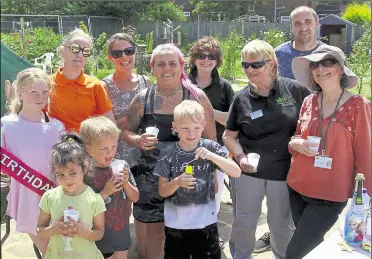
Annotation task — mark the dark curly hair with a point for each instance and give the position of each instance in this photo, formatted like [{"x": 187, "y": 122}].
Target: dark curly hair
[
  {"x": 209, "y": 44},
  {"x": 70, "y": 148}
]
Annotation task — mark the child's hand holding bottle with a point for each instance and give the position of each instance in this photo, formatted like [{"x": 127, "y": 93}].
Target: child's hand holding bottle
[{"x": 186, "y": 180}]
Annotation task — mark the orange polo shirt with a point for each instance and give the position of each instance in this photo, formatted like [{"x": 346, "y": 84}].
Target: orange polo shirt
[
  {"x": 348, "y": 144},
  {"x": 72, "y": 101}
]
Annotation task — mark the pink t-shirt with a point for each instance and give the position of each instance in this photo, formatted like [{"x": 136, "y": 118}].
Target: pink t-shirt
[{"x": 32, "y": 143}]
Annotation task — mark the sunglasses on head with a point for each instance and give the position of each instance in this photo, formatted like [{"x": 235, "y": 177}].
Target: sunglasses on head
[
  {"x": 202, "y": 56},
  {"x": 119, "y": 52},
  {"x": 329, "y": 62},
  {"x": 254, "y": 65},
  {"x": 75, "y": 48}
]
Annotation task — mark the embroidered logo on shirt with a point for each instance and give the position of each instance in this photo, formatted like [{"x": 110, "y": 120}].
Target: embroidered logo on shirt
[{"x": 286, "y": 101}]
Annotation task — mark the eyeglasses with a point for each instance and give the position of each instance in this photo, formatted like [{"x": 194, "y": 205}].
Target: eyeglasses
[
  {"x": 202, "y": 56},
  {"x": 119, "y": 53},
  {"x": 75, "y": 48},
  {"x": 254, "y": 65},
  {"x": 325, "y": 63}
]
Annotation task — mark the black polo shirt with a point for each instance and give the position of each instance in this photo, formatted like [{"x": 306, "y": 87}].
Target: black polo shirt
[
  {"x": 269, "y": 134},
  {"x": 220, "y": 94}
]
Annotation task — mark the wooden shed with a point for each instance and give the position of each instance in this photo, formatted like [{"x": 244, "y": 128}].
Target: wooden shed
[{"x": 339, "y": 32}]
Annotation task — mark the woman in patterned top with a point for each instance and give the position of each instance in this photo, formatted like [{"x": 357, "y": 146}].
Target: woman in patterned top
[
  {"x": 123, "y": 85},
  {"x": 320, "y": 182}
]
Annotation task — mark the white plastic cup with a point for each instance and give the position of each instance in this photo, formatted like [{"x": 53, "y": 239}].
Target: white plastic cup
[
  {"x": 314, "y": 142},
  {"x": 153, "y": 130},
  {"x": 74, "y": 214},
  {"x": 118, "y": 166},
  {"x": 253, "y": 159}
]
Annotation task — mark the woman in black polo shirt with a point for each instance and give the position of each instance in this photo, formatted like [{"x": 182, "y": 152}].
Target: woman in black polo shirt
[
  {"x": 205, "y": 57},
  {"x": 262, "y": 119}
]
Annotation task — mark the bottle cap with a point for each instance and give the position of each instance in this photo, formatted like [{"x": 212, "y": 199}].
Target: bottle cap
[{"x": 188, "y": 169}]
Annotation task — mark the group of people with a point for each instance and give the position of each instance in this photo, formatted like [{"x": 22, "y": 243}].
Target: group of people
[{"x": 70, "y": 127}]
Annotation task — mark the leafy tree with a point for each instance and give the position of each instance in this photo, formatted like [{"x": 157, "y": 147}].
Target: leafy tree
[
  {"x": 230, "y": 9},
  {"x": 161, "y": 11},
  {"x": 358, "y": 13},
  {"x": 359, "y": 60}
]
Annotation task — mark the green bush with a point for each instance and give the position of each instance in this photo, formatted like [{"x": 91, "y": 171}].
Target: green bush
[
  {"x": 274, "y": 37},
  {"x": 358, "y": 14},
  {"x": 102, "y": 73},
  {"x": 38, "y": 42},
  {"x": 231, "y": 51},
  {"x": 359, "y": 60}
]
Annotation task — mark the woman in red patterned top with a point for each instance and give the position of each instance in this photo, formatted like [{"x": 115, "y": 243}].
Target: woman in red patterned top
[{"x": 320, "y": 182}]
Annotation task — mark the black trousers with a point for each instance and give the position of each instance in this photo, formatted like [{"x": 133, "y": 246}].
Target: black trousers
[
  {"x": 312, "y": 218},
  {"x": 199, "y": 243}
]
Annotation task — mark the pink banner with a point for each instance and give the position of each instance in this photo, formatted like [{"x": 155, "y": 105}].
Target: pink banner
[{"x": 14, "y": 167}]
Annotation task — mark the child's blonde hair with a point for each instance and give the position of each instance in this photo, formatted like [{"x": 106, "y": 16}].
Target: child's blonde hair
[
  {"x": 94, "y": 128},
  {"x": 190, "y": 110},
  {"x": 24, "y": 80}
]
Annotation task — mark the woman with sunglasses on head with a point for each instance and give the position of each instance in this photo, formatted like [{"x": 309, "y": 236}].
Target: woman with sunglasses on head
[
  {"x": 205, "y": 58},
  {"x": 76, "y": 96},
  {"x": 123, "y": 85},
  {"x": 153, "y": 107},
  {"x": 262, "y": 118},
  {"x": 319, "y": 191}
]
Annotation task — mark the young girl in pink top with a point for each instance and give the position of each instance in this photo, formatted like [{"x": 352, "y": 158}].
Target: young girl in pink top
[{"x": 29, "y": 134}]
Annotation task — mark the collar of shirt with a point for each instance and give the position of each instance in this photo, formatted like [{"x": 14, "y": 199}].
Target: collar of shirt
[
  {"x": 255, "y": 95},
  {"x": 62, "y": 80},
  {"x": 194, "y": 72}
]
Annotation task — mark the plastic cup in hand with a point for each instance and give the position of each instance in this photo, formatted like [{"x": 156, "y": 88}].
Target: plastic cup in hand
[
  {"x": 253, "y": 159},
  {"x": 153, "y": 130},
  {"x": 117, "y": 167},
  {"x": 314, "y": 143},
  {"x": 74, "y": 214}
]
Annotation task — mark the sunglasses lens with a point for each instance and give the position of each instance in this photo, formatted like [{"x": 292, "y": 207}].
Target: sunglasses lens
[
  {"x": 116, "y": 53},
  {"x": 129, "y": 51},
  {"x": 211, "y": 57},
  {"x": 314, "y": 65},
  {"x": 74, "y": 48},
  {"x": 202, "y": 56},
  {"x": 245, "y": 65},
  {"x": 87, "y": 52},
  {"x": 328, "y": 62},
  {"x": 257, "y": 65}
]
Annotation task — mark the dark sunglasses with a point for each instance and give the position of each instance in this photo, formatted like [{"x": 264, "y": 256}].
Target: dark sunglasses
[
  {"x": 119, "y": 53},
  {"x": 325, "y": 63},
  {"x": 75, "y": 48},
  {"x": 254, "y": 65},
  {"x": 202, "y": 56}
]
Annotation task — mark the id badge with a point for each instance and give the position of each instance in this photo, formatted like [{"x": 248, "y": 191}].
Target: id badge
[
  {"x": 323, "y": 162},
  {"x": 256, "y": 114}
]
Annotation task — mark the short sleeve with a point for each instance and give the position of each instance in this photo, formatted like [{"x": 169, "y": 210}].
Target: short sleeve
[
  {"x": 99, "y": 205},
  {"x": 44, "y": 202},
  {"x": 219, "y": 150},
  {"x": 2, "y": 137},
  {"x": 131, "y": 179},
  {"x": 229, "y": 96},
  {"x": 103, "y": 102},
  {"x": 162, "y": 167},
  {"x": 232, "y": 116}
]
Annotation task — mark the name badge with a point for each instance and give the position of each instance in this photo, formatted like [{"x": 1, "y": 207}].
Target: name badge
[
  {"x": 256, "y": 114},
  {"x": 323, "y": 162}
]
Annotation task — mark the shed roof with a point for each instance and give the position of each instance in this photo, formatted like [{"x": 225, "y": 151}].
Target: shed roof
[{"x": 333, "y": 19}]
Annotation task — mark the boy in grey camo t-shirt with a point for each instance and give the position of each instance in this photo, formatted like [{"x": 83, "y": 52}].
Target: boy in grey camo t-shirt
[{"x": 190, "y": 208}]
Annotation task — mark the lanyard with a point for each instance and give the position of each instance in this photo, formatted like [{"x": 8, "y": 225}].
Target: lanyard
[{"x": 323, "y": 139}]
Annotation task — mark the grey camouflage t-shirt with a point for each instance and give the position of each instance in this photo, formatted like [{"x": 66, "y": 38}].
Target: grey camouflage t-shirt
[{"x": 172, "y": 162}]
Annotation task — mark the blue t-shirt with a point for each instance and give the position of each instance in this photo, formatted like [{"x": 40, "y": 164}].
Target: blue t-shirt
[{"x": 285, "y": 54}]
